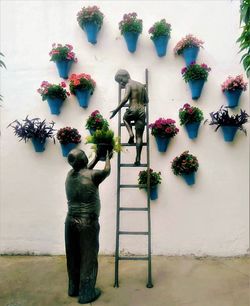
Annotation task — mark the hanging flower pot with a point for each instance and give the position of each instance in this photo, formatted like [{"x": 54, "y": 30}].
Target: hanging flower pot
[
  {"x": 83, "y": 96},
  {"x": 66, "y": 148},
  {"x": 154, "y": 192},
  {"x": 82, "y": 85},
  {"x": 39, "y": 145},
  {"x": 64, "y": 58},
  {"x": 190, "y": 54},
  {"x": 131, "y": 39},
  {"x": 160, "y": 34},
  {"x": 55, "y": 105},
  {"x": 162, "y": 143},
  {"x": 229, "y": 132},
  {"x": 90, "y": 20},
  {"x": 155, "y": 180},
  {"x": 95, "y": 122},
  {"x": 102, "y": 149},
  {"x": 131, "y": 28},
  {"x": 188, "y": 47},
  {"x": 229, "y": 123},
  {"x": 185, "y": 165},
  {"x": 195, "y": 75},
  {"x": 69, "y": 138},
  {"x": 163, "y": 130},
  {"x": 192, "y": 129},
  {"x": 232, "y": 88},
  {"x": 189, "y": 178}
]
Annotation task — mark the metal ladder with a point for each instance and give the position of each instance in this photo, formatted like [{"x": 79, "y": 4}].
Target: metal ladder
[{"x": 121, "y": 209}]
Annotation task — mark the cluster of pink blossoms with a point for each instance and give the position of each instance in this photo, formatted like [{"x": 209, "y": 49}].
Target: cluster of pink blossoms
[
  {"x": 187, "y": 41},
  {"x": 161, "y": 22},
  {"x": 75, "y": 79},
  {"x": 164, "y": 127},
  {"x": 44, "y": 87},
  {"x": 64, "y": 52},
  {"x": 188, "y": 108},
  {"x": 88, "y": 13},
  {"x": 232, "y": 83},
  {"x": 129, "y": 18},
  {"x": 204, "y": 66}
]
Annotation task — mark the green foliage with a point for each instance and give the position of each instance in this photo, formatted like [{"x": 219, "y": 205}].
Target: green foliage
[
  {"x": 189, "y": 114},
  {"x": 68, "y": 135},
  {"x": 90, "y": 14},
  {"x": 104, "y": 137},
  {"x": 160, "y": 28},
  {"x": 185, "y": 164},
  {"x": 155, "y": 178},
  {"x": 96, "y": 121},
  {"x": 195, "y": 72},
  {"x": 244, "y": 39},
  {"x": 130, "y": 23}
]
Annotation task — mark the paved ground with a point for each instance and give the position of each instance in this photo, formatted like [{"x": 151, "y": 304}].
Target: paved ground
[{"x": 178, "y": 281}]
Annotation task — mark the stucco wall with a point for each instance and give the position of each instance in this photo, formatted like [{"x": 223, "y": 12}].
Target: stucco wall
[{"x": 212, "y": 217}]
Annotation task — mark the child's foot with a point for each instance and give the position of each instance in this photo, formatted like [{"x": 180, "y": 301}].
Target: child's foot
[{"x": 131, "y": 139}]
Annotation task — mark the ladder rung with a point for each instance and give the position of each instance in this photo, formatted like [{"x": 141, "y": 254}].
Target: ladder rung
[
  {"x": 132, "y": 123},
  {"x": 134, "y": 208},
  {"x": 133, "y": 186},
  {"x": 132, "y": 165},
  {"x": 132, "y": 233},
  {"x": 132, "y": 258},
  {"x": 125, "y": 144}
]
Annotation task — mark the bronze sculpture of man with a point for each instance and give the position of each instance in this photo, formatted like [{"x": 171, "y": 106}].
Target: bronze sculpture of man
[
  {"x": 137, "y": 96},
  {"x": 82, "y": 226}
]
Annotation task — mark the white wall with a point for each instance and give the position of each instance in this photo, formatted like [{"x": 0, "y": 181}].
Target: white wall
[{"x": 212, "y": 217}]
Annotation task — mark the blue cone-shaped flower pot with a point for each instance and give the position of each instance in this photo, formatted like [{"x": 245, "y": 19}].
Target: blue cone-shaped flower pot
[
  {"x": 66, "y": 148},
  {"x": 38, "y": 145},
  {"x": 196, "y": 88},
  {"x": 55, "y": 105},
  {"x": 92, "y": 29},
  {"x": 229, "y": 132},
  {"x": 192, "y": 129},
  {"x": 131, "y": 39},
  {"x": 161, "y": 43},
  {"x": 190, "y": 54},
  {"x": 233, "y": 97},
  {"x": 154, "y": 192},
  {"x": 189, "y": 178},
  {"x": 83, "y": 96},
  {"x": 162, "y": 143},
  {"x": 63, "y": 68}
]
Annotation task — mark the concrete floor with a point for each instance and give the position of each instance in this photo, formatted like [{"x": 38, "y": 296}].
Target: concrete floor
[{"x": 178, "y": 281}]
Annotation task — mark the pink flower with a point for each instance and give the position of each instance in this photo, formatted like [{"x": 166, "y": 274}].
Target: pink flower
[
  {"x": 63, "y": 84},
  {"x": 186, "y": 105},
  {"x": 183, "y": 70}
]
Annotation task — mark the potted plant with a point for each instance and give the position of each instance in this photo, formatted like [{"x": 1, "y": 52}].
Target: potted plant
[
  {"x": 82, "y": 85},
  {"x": 232, "y": 88},
  {"x": 160, "y": 34},
  {"x": 69, "y": 138},
  {"x": 229, "y": 123},
  {"x": 185, "y": 165},
  {"x": 189, "y": 47},
  {"x": 90, "y": 20},
  {"x": 96, "y": 122},
  {"x": 191, "y": 117},
  {"x": 131, "y": 27},
  {"x": 195, "y": 75},
  {"x": 35, "y": 130},
  {"x": 64, "y": 57},
  {"x": 104, "y": 141},
  {"x": 155, "y": 180},
  {"x": 54, "y": 94},
  {"x": 163, "y": 130}
]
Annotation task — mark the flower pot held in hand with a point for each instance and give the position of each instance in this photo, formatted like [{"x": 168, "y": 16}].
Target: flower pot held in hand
[
  {"x": 102, "y": 149},
  {"x": 162, "y": 143},
  {"x": 66, "y": 148},
  {"x": 55, "y": 105},
  {"x": 196, "y": 88},
  {"x": 83, "y": 96},
  {"x": 229, "y": 132},
  {"x": 92, "y": 29},
  {"x": 189, "y": 178},
  {"x": 192, "y": 129},
  {"x": 233, "y": 97},
  {"x": 190, "y": 54},
  {"x": 63, "y": 68},
  {"x": 131, "y": 39},
  {"x": 38, "y": 145},
  {"x": 161, "y": 43}
]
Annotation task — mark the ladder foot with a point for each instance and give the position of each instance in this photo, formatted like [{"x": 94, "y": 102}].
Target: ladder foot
[
  {"x": 150, "y": 285},
  {"x": 116, "y": 285}
]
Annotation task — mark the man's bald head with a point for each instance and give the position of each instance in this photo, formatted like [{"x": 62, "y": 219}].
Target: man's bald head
[{"x": 77, "y": 159}]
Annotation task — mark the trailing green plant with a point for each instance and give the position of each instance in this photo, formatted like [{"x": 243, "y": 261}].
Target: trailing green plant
[
  {"x": 68, "y": 135},
  {"x": 33, "y": 128},
  {"x": 195, "y": 72},
  {"x": 244, "y": 39},
  {"x": 223, "y": 118},
  {"x": 48, "y": 90},
  {"x": 90, "y": 14},
  {"x": 160, "y": 28},
  {"x": 96, "y": 121},
  {"x": 189, "y": 114},
  {"x": 155, "y": 178},
  {"x": 130, "y": 23},
  {"x": 185, "y": 164}
]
